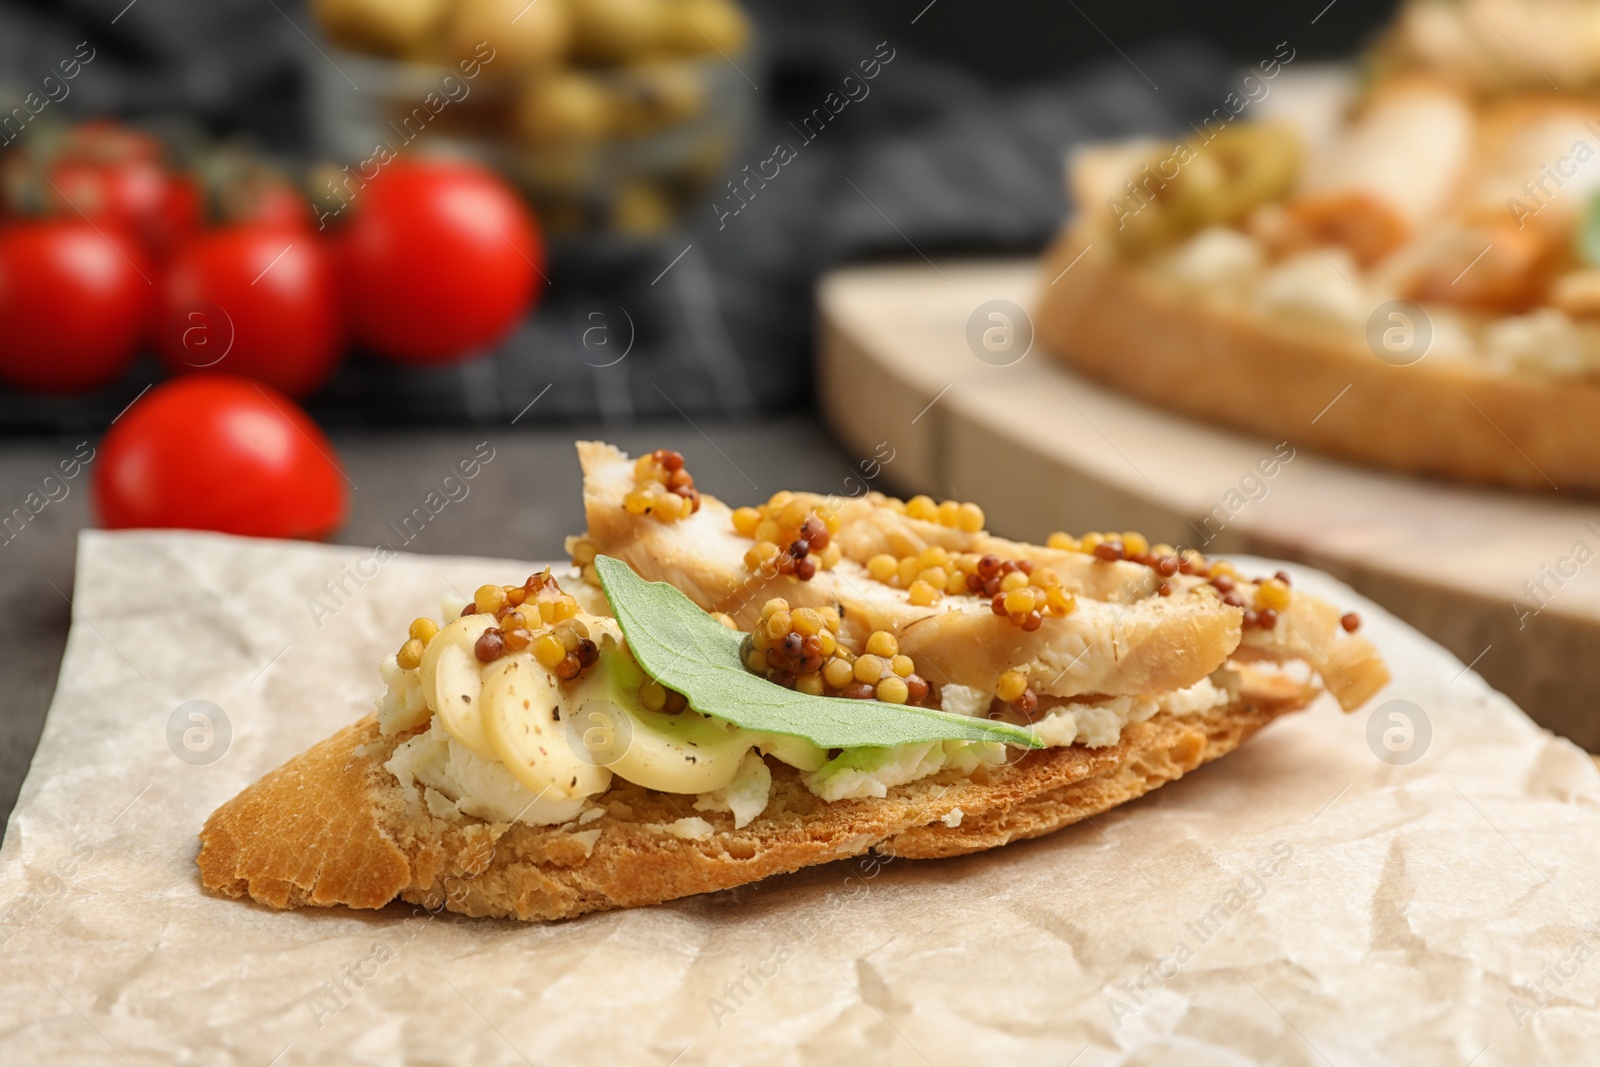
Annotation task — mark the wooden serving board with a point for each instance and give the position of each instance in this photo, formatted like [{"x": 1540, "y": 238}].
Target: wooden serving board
[{"x": 1508, "y": 581}]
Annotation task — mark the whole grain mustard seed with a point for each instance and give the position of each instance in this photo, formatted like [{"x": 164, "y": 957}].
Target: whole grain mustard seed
[{"x": 793, "y": 654}]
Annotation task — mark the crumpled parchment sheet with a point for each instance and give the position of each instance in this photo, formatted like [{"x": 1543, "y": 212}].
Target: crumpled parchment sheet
[{"x": 1302, "y": 901}]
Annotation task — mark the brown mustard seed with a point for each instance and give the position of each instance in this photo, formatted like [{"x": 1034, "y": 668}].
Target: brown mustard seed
[
  {"x": 569, "y": 667},
  {"x": 1109, "y": 551},
  {"x": 916, "y": 688},
  {"x": 490, "y": 646},
  {"x": 1351, "y": 622},
  {"x": 859, "y": 691}
]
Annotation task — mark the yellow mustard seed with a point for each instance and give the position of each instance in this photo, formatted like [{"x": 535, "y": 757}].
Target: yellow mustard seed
[
  {"x": 1019, "y": 601},
  {"x": 489, "y": 598},
  {"x": 934, "y": 576},
  {"x": 809, "y": 683},
  {"x": 756, "y": 661},
  {"x": 423, "y": 630},
  {"x": 745, "y": 521},
  {"x": 806, "y": 621},
  {"x": 838, "y": 673},
  {"x": 652, "y": 695},
  {"x": 830, "y": 556},
  {"x": 777, "y": 624},
  {"x": 956, "y": 584},
  {"x": 883, "y": 567},
  {"x": 773, "y": 606},
  {"x": 1062, "y": 542},
  {"x": 549, "y": 651},
  {"x": 1011, "y": 686},
  {"x": 1135, "y": 543},
  {"x": 869, "y": 669},
  {"x": 1273, "y": 594},
  {"x": 949, "y": 512},
  {"x": 902, "y": 666},
  {"x": 410, "y": 655},
  {"x": 922, "y": 507},
  {"x": 893, "y": 690},
  {"x": 828, "y": 642},
  {"x": 923, "y": 595},
  {"x": 882, "y": 643},
  {"x": 970, "y": 518},
  {"x": 933, "y": 556},
  {"x": 794, "y": 513}
]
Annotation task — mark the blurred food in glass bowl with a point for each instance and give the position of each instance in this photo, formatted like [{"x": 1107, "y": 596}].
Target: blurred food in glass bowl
[{"x": 608, "y": 114}]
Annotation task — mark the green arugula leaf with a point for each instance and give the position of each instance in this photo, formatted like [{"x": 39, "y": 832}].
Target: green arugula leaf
[{"x": 684, "y": 648}]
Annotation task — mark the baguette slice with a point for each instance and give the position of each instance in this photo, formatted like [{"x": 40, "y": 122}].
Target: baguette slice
[
  {"x": 1115, "y": 322},
  {"x": 332, "y": 826}
]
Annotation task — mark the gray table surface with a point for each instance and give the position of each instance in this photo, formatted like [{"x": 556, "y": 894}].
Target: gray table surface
[{"x": 522, "y": 506}]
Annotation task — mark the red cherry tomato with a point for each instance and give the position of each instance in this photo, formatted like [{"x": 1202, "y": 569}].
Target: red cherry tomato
[
  {"x": 254, "y": 300},
  {"x": 440, "y": 262},
  {"x": 209, "y": 452},
  {"x": 74, "y": 302},
  {"x": 133, "y": 193},
  {"x": 106, "y": 139}
]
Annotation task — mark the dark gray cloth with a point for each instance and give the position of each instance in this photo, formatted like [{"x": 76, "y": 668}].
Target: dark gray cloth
[{"x": 928, "y": 162}]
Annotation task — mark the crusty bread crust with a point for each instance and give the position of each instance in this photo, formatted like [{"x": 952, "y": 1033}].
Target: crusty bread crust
[
  {"x": 332, "y": 826},
  {"x": 1113, "y": 321}
]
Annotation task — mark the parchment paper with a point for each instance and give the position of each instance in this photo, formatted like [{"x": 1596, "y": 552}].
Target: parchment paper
[{"x": 1300, "y": 902}]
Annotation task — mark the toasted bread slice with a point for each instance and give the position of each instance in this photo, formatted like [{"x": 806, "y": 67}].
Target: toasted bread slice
[
  {"x": 333, "y": 827},
  {"x": 1115, "y": 321}
]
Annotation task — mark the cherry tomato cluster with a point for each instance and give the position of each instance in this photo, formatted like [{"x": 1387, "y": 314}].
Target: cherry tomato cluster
[
  {"x": 105, "y": 249},
  {"x": 437, "y": 262}
]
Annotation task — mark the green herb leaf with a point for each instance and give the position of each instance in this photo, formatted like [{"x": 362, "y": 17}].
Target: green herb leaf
[
  {"x": 1588, "y": 237},
  {"x": 684, "y": 648}
]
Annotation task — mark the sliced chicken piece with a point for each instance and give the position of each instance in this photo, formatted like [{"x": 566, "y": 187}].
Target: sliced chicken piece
[
  {"x": 1538, "y": 163},
  {"x": 1309, "y": 629},
  {"x": 1408, "y": 149},
  {"x": 1107, "y": 646}
]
